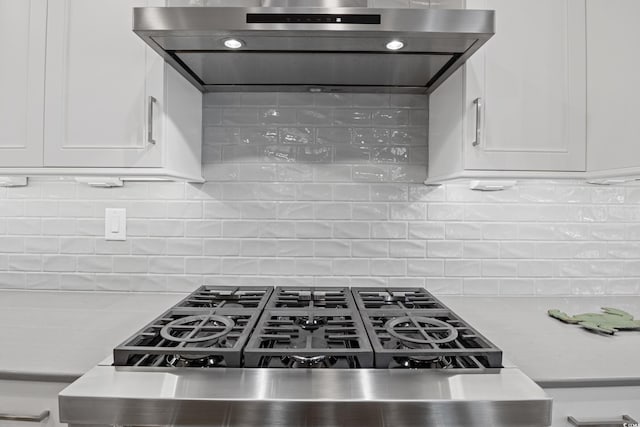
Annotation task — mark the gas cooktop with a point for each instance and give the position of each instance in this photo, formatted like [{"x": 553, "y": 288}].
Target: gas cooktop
[{"x": 302, "y": 327}]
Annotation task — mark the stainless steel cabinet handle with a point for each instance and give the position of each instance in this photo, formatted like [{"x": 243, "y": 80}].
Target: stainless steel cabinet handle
[
  {"x": 31, "y": 418},
  {"x": 478, "y": 103},
  {"x": 150, "y": 138},
  {"x": 625, "y": 421}
]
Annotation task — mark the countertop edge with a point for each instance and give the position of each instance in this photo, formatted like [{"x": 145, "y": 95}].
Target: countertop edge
[{"x": 50, "y": 377}]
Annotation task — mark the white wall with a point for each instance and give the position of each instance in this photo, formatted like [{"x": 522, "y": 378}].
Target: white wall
[{"x": 322, "y": 190}]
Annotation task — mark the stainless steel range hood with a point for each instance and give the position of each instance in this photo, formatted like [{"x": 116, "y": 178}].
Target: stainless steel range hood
[{"x": 333, "y": 49}]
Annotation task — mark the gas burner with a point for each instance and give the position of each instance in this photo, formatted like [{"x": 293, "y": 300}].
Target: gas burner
[
  {"x": 424, "y": 362},
  {"x": 292, "y": 297},
  {"x": 430, "y": 329},
  {"x": 191, "y": 328},
  {"x": 228, "y": 297},
  {"x": 395, "y": 299},
  {"x": 321, "y": 361},
  {"x": 182, "y": 361},
  {"x": 310, "y": 323}
]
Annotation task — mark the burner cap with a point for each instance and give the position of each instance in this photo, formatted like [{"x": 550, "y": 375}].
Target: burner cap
[
  {"x": 310, "y": 323},
  {"x": 426, "y": 327},
  {"x": 218, "y": 326},
  {"x": 183, "y": 361}
]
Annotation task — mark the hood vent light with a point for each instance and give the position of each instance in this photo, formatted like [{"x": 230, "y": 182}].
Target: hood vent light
[
  {"x": 395, "y": 45},
  {"x": 233, "y": 43}
]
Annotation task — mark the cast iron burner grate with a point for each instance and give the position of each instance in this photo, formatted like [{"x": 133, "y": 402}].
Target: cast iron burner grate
[
  {"x": 227, "y": 297},
  {"x": 309, "y": 339},
  {"x": 285, "y": 297},
  {"x": 427, "y": 339},
  {"x": 182, "y": 338},
  {"x": 395, "y": 299}
]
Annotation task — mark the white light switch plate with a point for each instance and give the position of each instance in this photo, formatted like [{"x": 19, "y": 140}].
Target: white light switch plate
[{"x": 115, "y": 224}]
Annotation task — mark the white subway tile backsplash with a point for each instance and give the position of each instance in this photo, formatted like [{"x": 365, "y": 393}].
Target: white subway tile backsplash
[
  {"x": 24, "y": 226},
  {"x": 451, "y": 286},
  {"x": 259, "y": 248},
  {"x": 370, "y": 173},
  {"x": 41, "y": 244},
  {"x": 240, "y": 266},
  {"x": 95, "y": 264},
  {"x": 426, "y": 230},
  {"x": 25, "y": 262},
  {"x": 389, "y": 230},
  {"x": 462, "y": 267},
  {"x": 407, "y": 248},
  {"x": 42, "y": 281},
  {"x": 481, "y": 249},
  {"x": 13, "y": 280},
  {"x": 312, "y": 267},
  {"x": 294, "y": 248},
  {"x": 167, "y": 265},
  {"x": 188, "y": 246},
  {"x": 130, "y": 264},
  {"x": 552, "y": 286},
  {"x": 146, "y": 246},
  {"x": 295, "y": 210},
  {"x": 332, "y": 248},
  {"x": 112, "y": 247},
  {"x": 11, "y": 244},
  {"x": 370, "y": 249},
  {"x": 219, "y": 247},
  {"x": 499, "y": 268},
  {"x": 323, "y": 190},
  {"x": 311, "y": 230},
  {"x": 388, "y": 267},
  {"x": 350, "y": 267},
  {"x": 425, "y": 267},
  {"x": 328, "y": 211},
  {"x": 317, "y": 192},
  {"x": 444, "y": 249},
  {"x": 351, "y": 230}
]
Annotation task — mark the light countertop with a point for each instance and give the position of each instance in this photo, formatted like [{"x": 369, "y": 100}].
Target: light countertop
[
  {"x": 61, "y": 335},
  {"x": 552, "y": 352},
  {"x": 53, "y": 334}
]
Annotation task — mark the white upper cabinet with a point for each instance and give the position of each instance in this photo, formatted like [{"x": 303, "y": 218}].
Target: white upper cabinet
[
  {"x": 22, "y": 34},
  {"x": 613, "y": 89},
  {"x": 99, "y": 78},
  {"x": 519, "y": 104},
  {"x": 103, "y": 102}
]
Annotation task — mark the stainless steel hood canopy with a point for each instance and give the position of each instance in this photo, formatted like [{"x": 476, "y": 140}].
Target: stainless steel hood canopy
[{"x": 333, "y": 49}]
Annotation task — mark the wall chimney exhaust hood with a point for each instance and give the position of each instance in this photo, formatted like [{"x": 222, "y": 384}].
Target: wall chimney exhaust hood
[{"x": 331, "y": 48}]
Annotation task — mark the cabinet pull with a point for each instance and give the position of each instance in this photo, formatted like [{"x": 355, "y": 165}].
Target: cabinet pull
[
  {"x": 478, "y": 104},
  {"x": 150, "y": 138},
  {"x": 30, "y": 418},
  {"x": 626, "y": 421}
]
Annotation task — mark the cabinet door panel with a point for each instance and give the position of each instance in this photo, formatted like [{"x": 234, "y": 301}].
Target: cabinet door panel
[
  {"x": 531, "y": 79},
  {"x": 22, "y": 34},
  {"x": 594, "y": 404},
  {"x": 96, "y": 96},
  {"x": 613, "y": 59},
  {"x": 30, "y": 398}
]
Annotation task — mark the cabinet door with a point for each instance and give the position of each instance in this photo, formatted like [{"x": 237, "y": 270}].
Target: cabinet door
[
  {"x": 530, "y": 78},
  {"x": 594, "y": 404},
  {"x": 22, "y": 34},
  {"x": 30, "y": 398},
  {"x": 99, "y": 77},
  {"x": 613, "y": 60}
]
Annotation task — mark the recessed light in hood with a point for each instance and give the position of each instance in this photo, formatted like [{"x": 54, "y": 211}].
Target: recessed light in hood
[
  {"x": 395, "y": 45},
  {"x": 309, "y": 48},
  {"x": 233, "y": 43}
]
